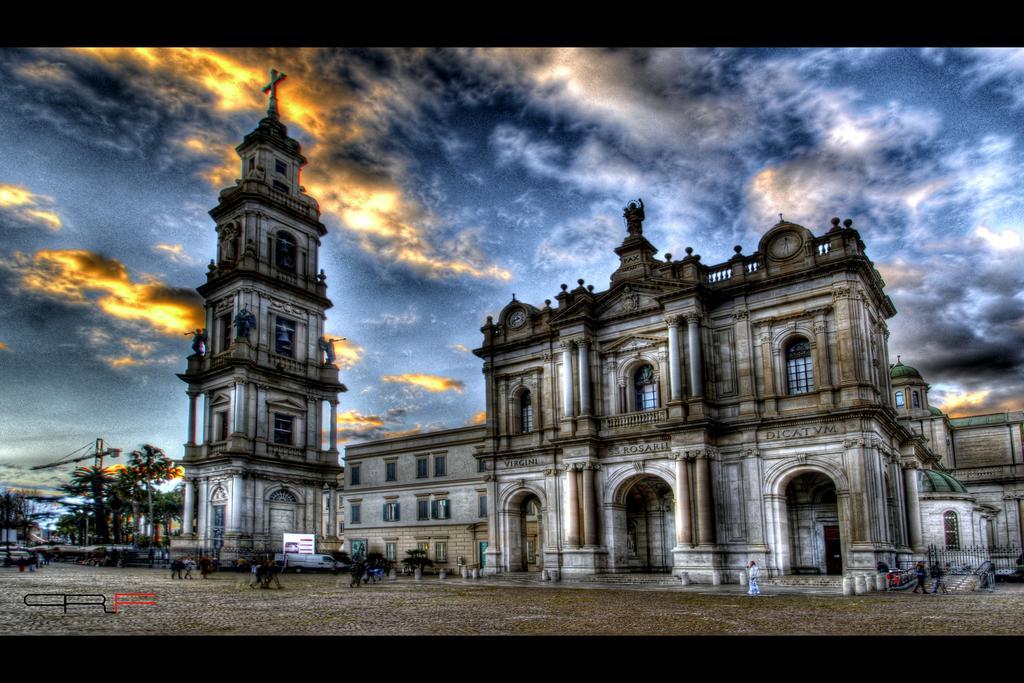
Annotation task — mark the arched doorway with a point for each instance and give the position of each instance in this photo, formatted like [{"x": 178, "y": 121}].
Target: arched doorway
[
  {"x": 815, "y": 545},
  {"x": 650, "y": 525},
  {"x": 525, "y": 533}
]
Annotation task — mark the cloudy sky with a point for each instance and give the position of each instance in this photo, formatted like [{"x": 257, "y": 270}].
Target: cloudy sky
[{"x": 451, "y": 179}]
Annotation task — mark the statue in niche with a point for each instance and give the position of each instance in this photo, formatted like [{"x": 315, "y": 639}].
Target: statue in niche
[
  {"x": 198, "y": 341},
  {"x": 631, "y": 540},
  {"x": 634, "y": 215},
  {"x": 245, "y": 322}
]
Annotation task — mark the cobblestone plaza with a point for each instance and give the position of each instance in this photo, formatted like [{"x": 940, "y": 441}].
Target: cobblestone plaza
[{"x": 322, "y": 604}]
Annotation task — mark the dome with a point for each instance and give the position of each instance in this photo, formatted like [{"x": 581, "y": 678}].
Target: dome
[
  {"x": 935, "y": 411},
  {"x": 933, "y": 481},
  {"x": 901, "y": 370}
]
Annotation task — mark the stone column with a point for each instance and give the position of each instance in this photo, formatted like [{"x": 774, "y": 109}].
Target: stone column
[
  {"x": 572, "y": 508},
  {"x": 238, "y": 405},
  {"x": 312, "y": 437},
  {"x": 261, "y": 412},
  {"x": 334, "y": 425},
  {"x": 192, "y": 395},
  {"x": 189, "y": 504},
  {"x": 589, "y": 506},
  {"x": 332, "y": 511},
  {"x": 204, "y": 503},
  {"x": 821, "y": 362},
  {"x": 584, "y": 362},
  {"x": 235, "y": 519},
  {"x": 207, "y": 418},
  {"x": 567, "y": 403},
  {"x": 913, "y": 508},
  {"x": 675, "y": 369},
  {"x": 1020, "y": 520},
  {"x": 767, "y": 367},
  {"x": 684, "y": 521},
  {"x": 705, "y": 501},
  {"x": 696, "y": 374}
]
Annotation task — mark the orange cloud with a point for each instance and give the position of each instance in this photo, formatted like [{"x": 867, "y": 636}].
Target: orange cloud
[
  {"x": 175, "y": 252},
  {"x": 405, "y": 432},
  {"x": 373, "y": 207},
  {"x": 478, "y": 419},
  {"x": 431, "y": 383},
  {"x": 26, "y": 205},
  {"x": 4, "y": 347},
  {"x": 461, "y": 348},
  {"x": 963, "y": 404},
  {"x": 78, "y": 276}
]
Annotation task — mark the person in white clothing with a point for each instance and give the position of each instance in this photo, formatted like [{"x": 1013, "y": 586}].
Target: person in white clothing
[{"x": 753, "y": 571}]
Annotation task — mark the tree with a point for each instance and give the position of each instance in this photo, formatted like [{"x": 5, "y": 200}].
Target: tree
[
  {"x": 93, "y": 483},
  {"x": 417, "y": 559},
  {"x": 12, "y": 510},
  {"x": 152, "y": 466},
  {"x": 167, "y": 507}
]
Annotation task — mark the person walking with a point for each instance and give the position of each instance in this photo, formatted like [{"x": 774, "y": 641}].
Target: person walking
[
  {"x": 921, "y": 574},
  {"x": 937, "y": 575},
  {"x": 256, "y": 578},
  {"x": 205, "y": 566},
  {"x": 190, "y": 564},
  {"x": 753, "y": 571},
  {"x": 272, "y": 571},
  {"x": 175, "y": 568},
  {"x": 357, "y": 573}
]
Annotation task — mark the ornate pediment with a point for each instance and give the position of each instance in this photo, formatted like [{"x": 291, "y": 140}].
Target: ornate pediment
[
  {"x": 631, "y": 343},
  {"x": 629, "y": 300},
  {"x": 286, "y": 403}
]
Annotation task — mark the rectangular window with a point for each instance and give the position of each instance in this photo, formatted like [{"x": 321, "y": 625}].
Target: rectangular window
[
  {"x": 222, "y": 417},
  {"x": 283, "y": 429},
  {"x": 225, "y": 325},
  {"x": 441, "y": 551},
  {"x": 481, "y": 465},
  {"x": 390, "y": 471},
  {"x": 353, "y": 475},
  {"x": 356, "y": 516},
  {"x": 439, "y": 465},
  {"x": 421, "y": 468},
  {"x": 392, "y": 512},
  {"x": 899, "y": 399},
  {"x": 284, "y": 337},
  {"x": 252, "y": 163},
  {"x": 280, "y": 187},
  {"x": 422, "y": 509},
  {"x": 424, "y": 546},
  {"x": 391, "y": 551},
  {"x": 800, "y": 375},
  {"x": 280, "y": 167},
  {"x": 439, "y": 509},
  {"x": 482, "y": 502}
]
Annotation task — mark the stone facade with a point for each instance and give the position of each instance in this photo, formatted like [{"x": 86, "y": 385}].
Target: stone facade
[
  {"x": 690, "y": 418},
  {"x": 259, "y": 469}
]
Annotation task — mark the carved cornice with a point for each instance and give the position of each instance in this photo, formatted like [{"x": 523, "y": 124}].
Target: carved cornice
[
  {"x": 751, "y": 453},
  {"x": 692, "y": 318},
  {"x": 853, "y": 443},
  {"x": 1013, "y": 495},
  {"x": 820, "y": 328},
  {"x": 740, "y": 314},
  {"x": 551, "y": 471},
  {"x": 840, "y": 292},
  {"x": 673, "y": 320}
]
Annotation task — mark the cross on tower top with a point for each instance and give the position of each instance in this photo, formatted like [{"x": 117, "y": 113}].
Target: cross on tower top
[{"x": 271, "y": 87}]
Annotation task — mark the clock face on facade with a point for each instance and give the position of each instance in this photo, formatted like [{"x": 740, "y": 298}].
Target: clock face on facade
[
  {"x": 517, "y": 319},
  {"x": 784, "y": 245}
]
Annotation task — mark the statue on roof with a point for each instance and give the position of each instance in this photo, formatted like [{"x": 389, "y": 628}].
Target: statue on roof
[
  {"x": 245, "y": 321},
  {"x": 634, "y": 215}
]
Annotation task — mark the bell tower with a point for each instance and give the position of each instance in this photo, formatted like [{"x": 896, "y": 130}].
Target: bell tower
[{"x": 262, "y": 366}]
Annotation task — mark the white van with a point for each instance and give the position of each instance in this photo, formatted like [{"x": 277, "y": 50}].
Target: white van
[{"x": 309, "y": 562}]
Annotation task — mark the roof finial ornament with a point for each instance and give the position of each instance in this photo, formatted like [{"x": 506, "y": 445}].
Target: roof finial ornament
[
  {"x": 634, "y": 215},
  {"x": 513, "y": 296},
  {"x": 898, "y": 359},
  {"x": 275, "y": 78},
  {"x": 780, "y": 219}
]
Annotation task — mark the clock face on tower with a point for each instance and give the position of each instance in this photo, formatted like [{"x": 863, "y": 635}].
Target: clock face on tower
[
  {"x": 517, "y": 319},
  {"x": 784, "y": 245}
]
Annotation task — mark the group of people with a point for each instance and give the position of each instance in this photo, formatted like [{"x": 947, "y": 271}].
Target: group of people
[
  {"x": 187, "y": 564},
  {"x": 922, "y": 574},
  {"x": 365, "y": 571}
]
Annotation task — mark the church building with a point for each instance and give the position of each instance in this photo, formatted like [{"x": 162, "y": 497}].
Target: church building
[
  {"x": 260, "y": 469},
  {"x": 688, "y": 418}
]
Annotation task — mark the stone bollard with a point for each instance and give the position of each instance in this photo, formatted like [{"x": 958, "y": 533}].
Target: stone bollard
[
  {"x": 847, "y": 585},
  {"x": 716, "y": 577},
  {"x": 684, "y": 578},
  {"x": 393, "y": 575},
  {"x": 880, "y": 582},
  {"x": 464, "y": 572},
  {"x": 743, "y": 578},
  {"x": 860, "y": 585},
  {"x": 442, "y": 575},
  {"x": 544, "y": 575},
  {"x": 418, "y": 573}
]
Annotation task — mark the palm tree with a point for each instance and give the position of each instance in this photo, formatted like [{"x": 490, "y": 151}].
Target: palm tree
[
  {"x": 123, "y": 497},
  {"x": 167, "y": 507},
  {"x": 151, "y": 465},
  {"x": 92, "y": 482}
]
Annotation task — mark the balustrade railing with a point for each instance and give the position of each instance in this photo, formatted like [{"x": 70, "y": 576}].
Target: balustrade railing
[
  {"x": 644, "y": 417},
  {"x": 990, "y": 473}
]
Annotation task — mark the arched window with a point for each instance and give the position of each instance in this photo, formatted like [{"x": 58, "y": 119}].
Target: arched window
[
  {"x": 899, "y": 399},
  {"x": 525, "y": 413},
  {"x": 283, "y": 496},
  {"x": 799, "y": 369},
  {"x": 915, "y": 400},
  {"x": 284, "y": 255},
  {"x": 646, "y": 388},
  {"x": 952, "y": 527}
]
